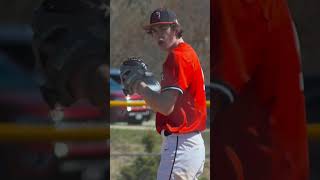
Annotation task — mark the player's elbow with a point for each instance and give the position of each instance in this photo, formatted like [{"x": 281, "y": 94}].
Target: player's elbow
[{"x": 166, "y": 102}]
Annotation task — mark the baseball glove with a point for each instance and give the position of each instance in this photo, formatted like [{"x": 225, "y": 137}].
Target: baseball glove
[
  {"x": 65, "y": 35},
  {"x": 134, "y": 70}
]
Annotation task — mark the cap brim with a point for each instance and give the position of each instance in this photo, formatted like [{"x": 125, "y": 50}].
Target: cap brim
[{"x": 147, "y": 27}]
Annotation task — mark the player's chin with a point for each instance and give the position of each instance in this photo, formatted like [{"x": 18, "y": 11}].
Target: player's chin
[{"x": 162, "y": 45}]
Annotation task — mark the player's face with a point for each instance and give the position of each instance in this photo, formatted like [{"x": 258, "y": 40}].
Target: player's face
[{"x": 164, "y": 35}]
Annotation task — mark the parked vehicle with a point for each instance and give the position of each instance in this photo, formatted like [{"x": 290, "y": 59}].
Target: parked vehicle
[
  {"x": 115, "y": 75},
  {"x": 15, "y": 42}
]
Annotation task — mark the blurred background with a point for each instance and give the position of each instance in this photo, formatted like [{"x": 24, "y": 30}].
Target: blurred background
[
  {"x": 21, "y": 102},
  {"x": 306, "y": 15}
]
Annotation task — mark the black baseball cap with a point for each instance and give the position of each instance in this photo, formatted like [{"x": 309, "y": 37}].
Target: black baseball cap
[{"x": 162, "y": 16}]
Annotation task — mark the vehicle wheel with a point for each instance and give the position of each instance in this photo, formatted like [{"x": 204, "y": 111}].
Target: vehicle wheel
[{"x": 133, "y": 121}]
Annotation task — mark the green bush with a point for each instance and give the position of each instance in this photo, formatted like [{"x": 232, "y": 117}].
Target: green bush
[
  {"x": 149, "y": 141},
  {"x": 143, "y": 167}
]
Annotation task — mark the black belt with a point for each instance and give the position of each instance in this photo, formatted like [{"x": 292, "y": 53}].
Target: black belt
[{"x": 167, "y": 133}]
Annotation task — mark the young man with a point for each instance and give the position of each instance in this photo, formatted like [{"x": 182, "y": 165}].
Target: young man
[
  {"x": 181, "y": 104},
  {"x": 259, "y": 127}
]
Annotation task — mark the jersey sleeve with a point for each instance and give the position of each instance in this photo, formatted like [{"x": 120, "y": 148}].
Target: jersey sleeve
[
  {"x": 237, "y": 45},
  {"x": 176, "y": 73}
]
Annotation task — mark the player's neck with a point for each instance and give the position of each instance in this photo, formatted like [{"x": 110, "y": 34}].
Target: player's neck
[{"x": 175, "y": 44}]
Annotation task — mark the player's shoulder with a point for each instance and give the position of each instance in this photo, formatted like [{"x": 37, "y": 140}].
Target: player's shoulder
[
  {"x": 182, "y": 48},
  {"x": 177, "y": 57},
  {"x": 182, "y": 51}
]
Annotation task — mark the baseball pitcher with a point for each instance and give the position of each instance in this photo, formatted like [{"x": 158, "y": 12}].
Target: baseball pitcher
[{"x": 181, "y": 103}]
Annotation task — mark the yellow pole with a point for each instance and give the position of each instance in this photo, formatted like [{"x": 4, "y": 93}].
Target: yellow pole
[
  {"x": 314, "y": 132},
  {"x": 127, "y": 103},
  {"x": 134, "y": 103},
  {"x": 16, "y": 132}
]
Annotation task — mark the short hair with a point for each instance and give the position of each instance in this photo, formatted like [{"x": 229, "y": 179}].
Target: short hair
[{"x": 178, "y": 28}]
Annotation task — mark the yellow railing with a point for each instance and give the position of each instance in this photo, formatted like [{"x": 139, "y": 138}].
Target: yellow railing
[
  {"x": 26, "y": 133},
  {"x": 33, "y": 133},
  {"x": 134, "y": 103},
  {"x": 17, "y": 132},
  {"x": 314, "y": 131}
]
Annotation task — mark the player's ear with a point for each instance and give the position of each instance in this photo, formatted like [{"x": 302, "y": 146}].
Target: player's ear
[{"x": 178, "y": 30}]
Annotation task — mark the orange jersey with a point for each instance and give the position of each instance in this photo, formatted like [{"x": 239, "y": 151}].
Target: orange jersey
[
  {"x": 182, "y": 72},
  {"x": 262, "y": 134}
]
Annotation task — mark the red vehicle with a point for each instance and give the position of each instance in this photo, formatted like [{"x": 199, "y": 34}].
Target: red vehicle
[{"x": 129, "y": 114}]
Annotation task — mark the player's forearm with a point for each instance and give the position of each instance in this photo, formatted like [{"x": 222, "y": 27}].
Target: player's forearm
[{"x": 159, "y": 102}]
